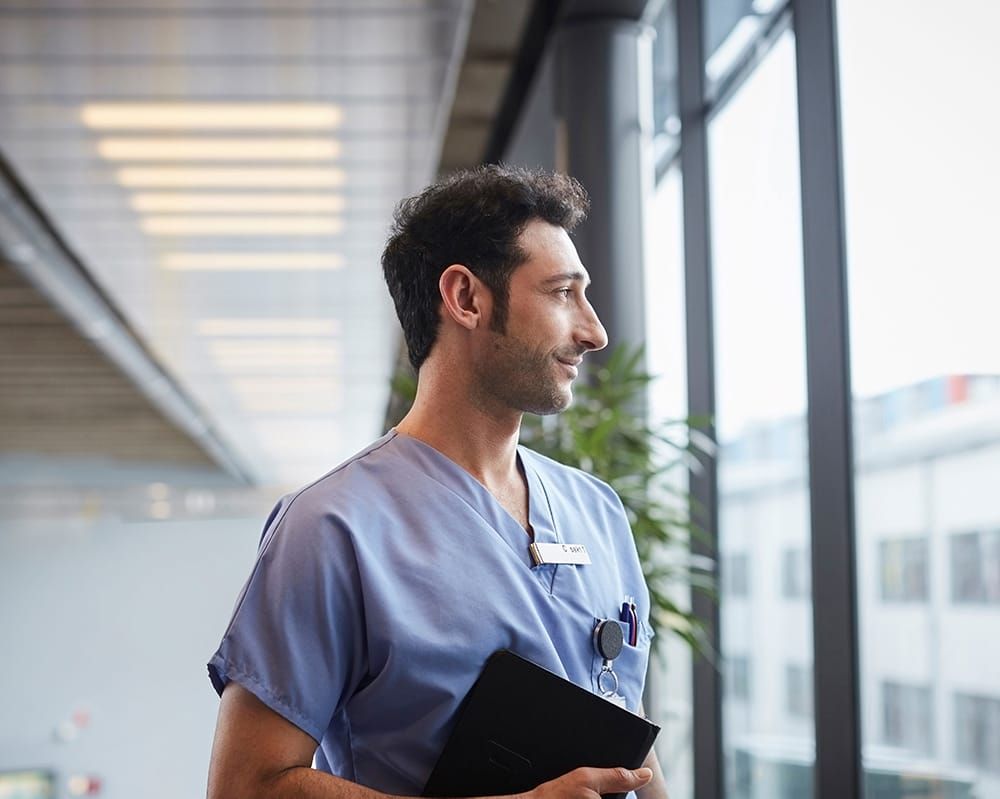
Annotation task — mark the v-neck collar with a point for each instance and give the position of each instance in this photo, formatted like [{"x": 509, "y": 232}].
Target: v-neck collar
[{"x": 455, "y": 478}]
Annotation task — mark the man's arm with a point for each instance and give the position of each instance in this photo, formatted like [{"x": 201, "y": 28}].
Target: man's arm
[
  {"x": 258, "y": 754},
  {"x": 656, "y": 788}
]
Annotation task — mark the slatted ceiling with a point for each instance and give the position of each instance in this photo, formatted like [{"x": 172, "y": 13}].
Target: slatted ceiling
[
  {"x": 59, "y": 395},
  {"x": 383, "y": 63},
  {"x": 494, "y": 39}
]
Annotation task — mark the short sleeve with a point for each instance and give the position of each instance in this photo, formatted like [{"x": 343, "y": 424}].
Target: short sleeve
[{"x": 296, "y": 636}]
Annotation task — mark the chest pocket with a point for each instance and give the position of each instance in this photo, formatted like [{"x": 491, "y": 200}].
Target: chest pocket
[{"x": 629, "y": 666}]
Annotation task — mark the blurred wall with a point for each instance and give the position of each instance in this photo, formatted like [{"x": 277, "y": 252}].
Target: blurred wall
[{"x": 117, "y": 618}]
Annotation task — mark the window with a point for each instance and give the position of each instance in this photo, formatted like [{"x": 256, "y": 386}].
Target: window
[
  {"x": 666, "y": 115},
  {"x": 760, "y": 382},
  {"x": 906, "y": 717},
  {"x": 795, "y": 577},
  {"x": 903, "y": 569},
  {"x": 733, "y": 33},
  {"x": 975, "y": 567},
  {"x": 977, "y": 731},
  {"x": 738, "y": 674},
  {"x": 735, "y": 570},
  {"x": 920, "y": 165},
  {"x": 798, "y": 690},
  {"x": 669, "y": 684}
]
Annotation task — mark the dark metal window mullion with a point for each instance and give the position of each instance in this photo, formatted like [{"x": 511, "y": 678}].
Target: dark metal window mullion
[
  {"x": 707, "y": 692},
  {"x": 838, "y": 773}
]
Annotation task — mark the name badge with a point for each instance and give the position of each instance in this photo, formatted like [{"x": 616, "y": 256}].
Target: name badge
[{"x": 559, "y": 553}]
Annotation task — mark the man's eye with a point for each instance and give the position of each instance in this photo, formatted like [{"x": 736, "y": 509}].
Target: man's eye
[{"x": 564, "y": 292}]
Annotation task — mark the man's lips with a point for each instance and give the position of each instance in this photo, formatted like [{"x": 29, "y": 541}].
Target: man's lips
[{"x": 571, "y": 364}]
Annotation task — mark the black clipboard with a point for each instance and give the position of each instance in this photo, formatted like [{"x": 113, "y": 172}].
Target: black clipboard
[{"x": 521, "y": 725}]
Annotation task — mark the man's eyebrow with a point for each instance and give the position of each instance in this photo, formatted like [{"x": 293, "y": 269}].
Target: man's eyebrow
[{"x": 563, "y": 277}]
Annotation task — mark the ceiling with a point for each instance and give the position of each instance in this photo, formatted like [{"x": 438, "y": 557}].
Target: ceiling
[
  {"x": 40, "y": 354},
  {"x": 220, "y": 176}
]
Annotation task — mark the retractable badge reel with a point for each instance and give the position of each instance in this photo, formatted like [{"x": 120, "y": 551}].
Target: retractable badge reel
[{"x": 609, "y": 641}]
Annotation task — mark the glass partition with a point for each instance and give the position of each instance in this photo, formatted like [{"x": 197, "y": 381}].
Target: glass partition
[
  {"x": 921, "y": 165},
  {"x": 766, "y": 610}
]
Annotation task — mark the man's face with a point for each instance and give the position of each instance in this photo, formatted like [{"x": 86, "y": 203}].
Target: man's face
[{"x": 530, "y": 365}]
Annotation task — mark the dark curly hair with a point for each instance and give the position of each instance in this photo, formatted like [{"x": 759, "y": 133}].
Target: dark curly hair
[{"x": 474, "y": 218}]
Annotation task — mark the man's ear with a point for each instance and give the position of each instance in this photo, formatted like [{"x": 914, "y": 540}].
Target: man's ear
[{"x": 463, "y": 296}]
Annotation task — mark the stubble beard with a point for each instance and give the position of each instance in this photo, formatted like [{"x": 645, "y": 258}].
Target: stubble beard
[{"x": 523, "y": 378}]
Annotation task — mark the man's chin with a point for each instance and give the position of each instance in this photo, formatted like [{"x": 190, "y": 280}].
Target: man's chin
[{"x": 557, "y": 404}]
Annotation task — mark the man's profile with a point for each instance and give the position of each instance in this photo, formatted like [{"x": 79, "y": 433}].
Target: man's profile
[{"x": 381, "y": 589}]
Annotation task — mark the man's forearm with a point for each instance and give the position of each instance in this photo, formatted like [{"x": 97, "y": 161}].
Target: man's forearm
[
  {"x": 258, "y": 754},
  {"x": 305, "y": 782},
  {"x": 656, "y": 788}
]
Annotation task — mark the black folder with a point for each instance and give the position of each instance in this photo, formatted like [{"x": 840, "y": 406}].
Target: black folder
[{"x": 521, "y": 725}]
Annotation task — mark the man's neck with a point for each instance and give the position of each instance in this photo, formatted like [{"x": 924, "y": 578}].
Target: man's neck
[{"x": 482, "y": 441}]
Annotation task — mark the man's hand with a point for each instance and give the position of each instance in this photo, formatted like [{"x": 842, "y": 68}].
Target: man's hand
[{"x": 591, "y": 783}]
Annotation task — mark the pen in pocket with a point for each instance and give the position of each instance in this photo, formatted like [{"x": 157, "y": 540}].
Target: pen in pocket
[{"x": 629, "y": 617}]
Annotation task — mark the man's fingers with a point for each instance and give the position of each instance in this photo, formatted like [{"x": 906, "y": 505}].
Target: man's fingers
[{"x": 619, "y": 780}]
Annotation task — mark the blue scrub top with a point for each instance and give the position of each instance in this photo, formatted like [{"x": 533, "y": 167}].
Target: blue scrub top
[{"x": 381, "y": 589}]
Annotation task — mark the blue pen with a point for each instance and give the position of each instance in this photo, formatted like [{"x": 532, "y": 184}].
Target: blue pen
[
  {"x": 628, "y": 616},
  {"x": 635, "y": 623}
]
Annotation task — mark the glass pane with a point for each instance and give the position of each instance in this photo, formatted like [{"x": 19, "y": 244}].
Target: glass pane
[
  {"x": 670, "y": 683},
  {"x": 921, "y": 166},
  {"x": 733, "y": 30},
  {"x": 766, "y": 615},
  {"x": 666, "y": 112}
]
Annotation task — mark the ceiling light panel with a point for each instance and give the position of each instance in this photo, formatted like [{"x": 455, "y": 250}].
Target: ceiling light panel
[
  {"x": 241, "y": 225},
  {"x": 251, "y": 261},
  {"x": 211, "y": 116},
  {"x": 260, "y": 177},
  {"x": 299, "y": 363},
  {"x": 212, "y": 149},
  {"x": 243, "y": 203},
  {"x": 291, "y": 405},
  {"x": 267, "y": 346},
  {"x": 268, "y": 327},
  {"x": 294, "y": 395}
]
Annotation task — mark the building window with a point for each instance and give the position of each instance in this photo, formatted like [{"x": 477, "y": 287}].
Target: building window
[
  {"x": 798, "y": 690},
  {"x": 975, "y": 567},
  {"x": 977, "y": 731},
  {"x": 903, "y": 569},
  {"x": 906, "y": 717},
  {"x": 738, "y": 677},
  {"x": 736, "y": 574},
  {"x": 795, "y": 577}
]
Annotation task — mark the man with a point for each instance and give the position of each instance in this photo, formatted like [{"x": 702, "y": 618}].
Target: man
[{"x": 381, "y": 589}]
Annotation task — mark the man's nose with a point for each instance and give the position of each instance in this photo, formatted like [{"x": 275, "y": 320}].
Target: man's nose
[{"x": 592, "y": 334}]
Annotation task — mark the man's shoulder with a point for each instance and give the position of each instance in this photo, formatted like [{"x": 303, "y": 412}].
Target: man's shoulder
[
  {"x": 361, "y": 475},
  {"x": 350, "y": 469}
]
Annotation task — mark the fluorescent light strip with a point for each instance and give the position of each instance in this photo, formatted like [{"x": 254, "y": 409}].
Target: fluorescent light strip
[
  {"x": 251, "y": 261},
  {"x": 241, "y": 225},
  {"x": 261, "y": 177},
  {"x": 288, "y": 395},
  {"x": 284, "y": 385},
  {"x": 277, "y": 365},
  {"x": 267, "y": 347},
  {"x": 214, "y": 116},
  {"x": 237, "y": 354},
  {"x": 268, "y": 327},
  {"x": 244, "y": 203},
  {"x": 297, "y": 406},
  {"x": 218, "y": 149}
]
